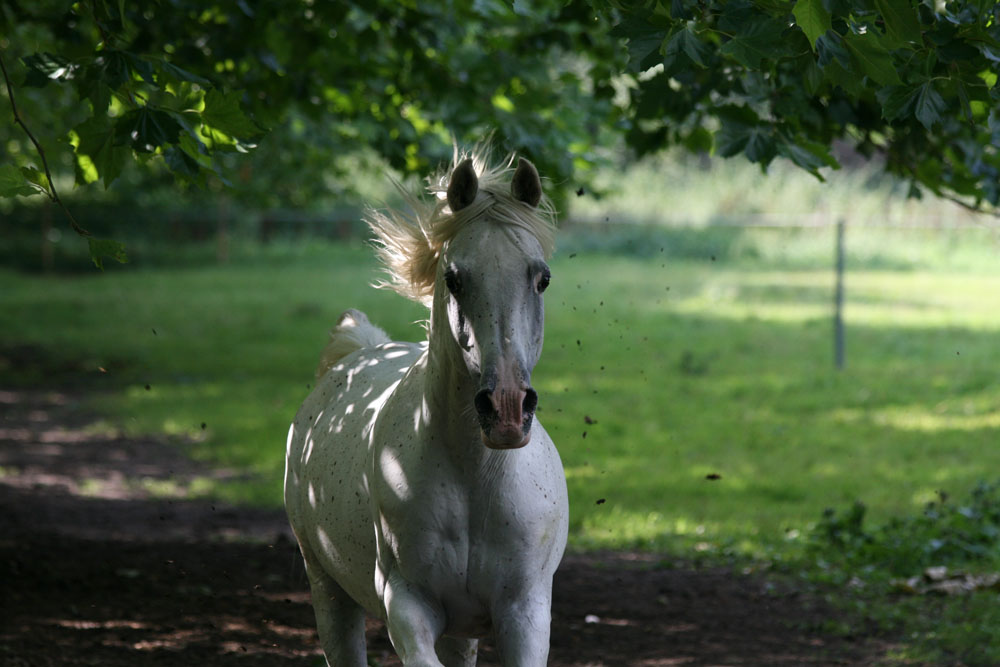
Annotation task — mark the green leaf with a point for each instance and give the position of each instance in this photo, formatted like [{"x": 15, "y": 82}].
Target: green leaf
[
  {"x": 924, "y": 101},
  {"x": 808, "y": 155},
  {"x": 738, "y": 126},
  {"x": 195, "y": 148},
  {"x": 872, "y": 58},
  {"x": 761, "y": 40},
  {"x": 14, "y": 183},
  {"x": 644, "y": 41},
  {"x": 222, "y": 112},
  {"x": 830, "y": 49},
  {"x": 45, "y": 67},
  {"x": 813, "y": 18},
  {"x": 929, "y": 105},
  {"x": 963, "y": 97},
  {"x": 699, "y": 140},
  {"x": 140, "y": 66},
  {"x": 185, "y": 167},
  {"x": 98, "y": 155},
  {"x": 760, "y": 146},
  {"x": 812, "y": 77},
  {"x": 685, "y": 42},
  {"x": 101, "y": 248},
  {"x": 838, "y": 75},
  {"x": 896, "y": 101},
  {"x": 90, "y": 84},
  {"x": 37, "y": 178},
  {"x": 181, "y": 163},
  {"x": 901, "y": 22},
  {"x": 190, "y": 159},
  {"x": 115, "y": 68},
  {"x": 147, "y": 129},
  {"x": 177, "y": 74}
]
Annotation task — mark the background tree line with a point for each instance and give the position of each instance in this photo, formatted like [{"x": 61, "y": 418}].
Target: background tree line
[{"x": 278, "y": 101}]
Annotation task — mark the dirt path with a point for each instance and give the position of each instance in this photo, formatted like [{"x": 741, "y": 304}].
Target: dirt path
[{"x": 96, "y": 571}]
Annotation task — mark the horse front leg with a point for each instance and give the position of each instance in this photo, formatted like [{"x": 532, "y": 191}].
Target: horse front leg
[
  {"x": 522, "y": 627},
  {"x": 414, "y": 620}
]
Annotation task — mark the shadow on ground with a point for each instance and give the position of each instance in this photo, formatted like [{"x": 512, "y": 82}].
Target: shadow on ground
[{"x": 97, "y": 568}]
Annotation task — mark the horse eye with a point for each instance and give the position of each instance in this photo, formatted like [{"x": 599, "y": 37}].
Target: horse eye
[
  {"x": 452, "y": 281},
  {"x": 543, "y": 281}
]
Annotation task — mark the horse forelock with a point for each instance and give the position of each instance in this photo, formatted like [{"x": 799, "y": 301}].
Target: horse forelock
[{"x": 410, "y": 244}]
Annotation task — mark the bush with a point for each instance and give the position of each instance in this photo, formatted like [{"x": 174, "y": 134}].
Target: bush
[{"x": 955, "y": 534}]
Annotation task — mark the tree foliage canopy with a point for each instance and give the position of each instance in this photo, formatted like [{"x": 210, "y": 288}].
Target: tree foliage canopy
[
  {"x": 912, "y": 81},
  {"x": 191, "y": 85}
]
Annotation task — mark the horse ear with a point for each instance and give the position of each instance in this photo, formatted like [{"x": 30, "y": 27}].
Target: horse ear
[
  {"x": 463, "y": 186},
  {"x": 526, "y": 186}
]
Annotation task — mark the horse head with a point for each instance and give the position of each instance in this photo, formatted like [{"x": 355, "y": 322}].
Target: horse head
[{"x": 492, "y": 275}]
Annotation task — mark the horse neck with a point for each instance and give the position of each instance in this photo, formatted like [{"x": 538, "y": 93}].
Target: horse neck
[{"x": 449, "y": 390}]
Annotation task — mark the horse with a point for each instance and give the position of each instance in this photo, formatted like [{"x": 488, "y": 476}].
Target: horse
[{"x": 419, "y": 484}]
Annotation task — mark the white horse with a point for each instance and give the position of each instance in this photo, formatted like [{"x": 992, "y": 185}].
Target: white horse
[{"x": 417, "y": 482}]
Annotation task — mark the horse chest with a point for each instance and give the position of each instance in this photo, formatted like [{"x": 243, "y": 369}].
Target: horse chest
[
  {"x": 448, "y": 532},
  {"x": 426, "y": 521}
]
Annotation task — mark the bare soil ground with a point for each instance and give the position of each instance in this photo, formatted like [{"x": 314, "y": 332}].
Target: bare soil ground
[{"x": 97, "y": 570}]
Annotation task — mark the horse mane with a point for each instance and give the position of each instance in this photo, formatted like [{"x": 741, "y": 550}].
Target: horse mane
[{"x": 409, "y": 244}]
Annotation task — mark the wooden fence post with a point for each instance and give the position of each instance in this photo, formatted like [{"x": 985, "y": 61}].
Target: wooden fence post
[{"x": 838, "y": 301}]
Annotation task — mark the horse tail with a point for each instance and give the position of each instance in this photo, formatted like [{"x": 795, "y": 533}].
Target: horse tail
[{"x": 353, "y": 332}]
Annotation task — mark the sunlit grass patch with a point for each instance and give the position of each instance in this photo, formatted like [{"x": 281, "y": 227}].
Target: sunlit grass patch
[
  {"x": 919, "y": 418},
  {"x": 637, "y": 529}
]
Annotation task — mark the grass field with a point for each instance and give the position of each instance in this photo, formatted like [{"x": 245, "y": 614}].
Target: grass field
[
  {"x": 687, "y": 377},
  {"x": 694, "y": 401}
]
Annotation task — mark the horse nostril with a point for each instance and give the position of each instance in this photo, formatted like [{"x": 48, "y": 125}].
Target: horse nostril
[
  {"x": 484, "y": 406},
  {"x": 530, "y": 401}
]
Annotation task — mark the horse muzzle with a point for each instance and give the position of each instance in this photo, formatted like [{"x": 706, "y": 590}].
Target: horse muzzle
[{"x": 505, "y": 416}]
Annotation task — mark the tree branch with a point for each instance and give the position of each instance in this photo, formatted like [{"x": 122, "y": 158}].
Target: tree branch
[
  {"x": 51, "y": 189},
  {"x": 971, "y": 207}
]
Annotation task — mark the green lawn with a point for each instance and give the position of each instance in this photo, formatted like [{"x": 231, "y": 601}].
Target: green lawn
[
  {"x": 730, "y": 373},
  {"x": 658, "y": 375}
]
